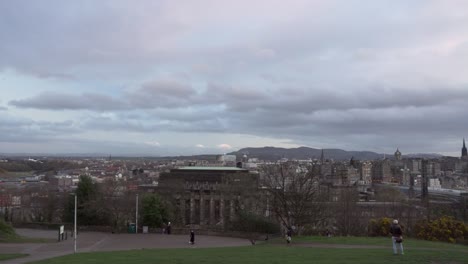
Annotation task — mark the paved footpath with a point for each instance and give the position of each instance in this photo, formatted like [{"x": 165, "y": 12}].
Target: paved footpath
[{"x": 96, "y": 241}]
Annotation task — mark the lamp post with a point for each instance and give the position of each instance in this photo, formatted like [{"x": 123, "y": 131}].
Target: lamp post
[
  {"x": 136, "y": 215},
  {"x": 74, "y": 232}
]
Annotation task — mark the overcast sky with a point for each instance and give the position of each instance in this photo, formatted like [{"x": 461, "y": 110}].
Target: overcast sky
[{"x": 188, "y": 77}]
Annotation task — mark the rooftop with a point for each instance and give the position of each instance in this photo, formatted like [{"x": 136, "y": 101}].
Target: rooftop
[{"x": 211, "y": 168}]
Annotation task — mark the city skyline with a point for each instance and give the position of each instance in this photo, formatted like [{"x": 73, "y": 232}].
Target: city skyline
[{"x": 182, "y": 77}]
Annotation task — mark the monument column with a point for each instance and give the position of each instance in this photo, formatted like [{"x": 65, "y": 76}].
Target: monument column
[
  {"x": 221, "y": 211},
  {"x": 231, "y": 209},
  {"x": 192, "y": 209},
  {"x": 182, "y": 209},
  {"x": 212, "y": 210},
  {"x": 202, "y": 209}
]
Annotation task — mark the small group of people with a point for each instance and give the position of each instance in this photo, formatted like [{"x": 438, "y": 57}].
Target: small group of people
[{"x": 395, "y": 230}]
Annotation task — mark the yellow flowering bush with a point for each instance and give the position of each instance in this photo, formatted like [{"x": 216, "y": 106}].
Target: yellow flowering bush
[{"x": 445, "y": 229}]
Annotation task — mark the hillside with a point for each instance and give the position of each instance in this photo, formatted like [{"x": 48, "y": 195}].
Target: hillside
[
  {"x": 3, "y": 172},
  {"x": 273, "y": 153}
]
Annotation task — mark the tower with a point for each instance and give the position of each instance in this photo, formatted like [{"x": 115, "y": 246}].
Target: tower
[
  {"x": 397, "y": 154},
  {"x": 424, "y": 179},
  {"x": 464, "y": 153}
]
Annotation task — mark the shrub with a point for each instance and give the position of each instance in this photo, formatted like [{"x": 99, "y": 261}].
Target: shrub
[
  {"x": 445, "y": 229},
  {"x": 6, "y": 231},
  {"x": 155, "y": 212},
  {"x": 248, "y": 222},
  {"x": 380, "y": 227}
]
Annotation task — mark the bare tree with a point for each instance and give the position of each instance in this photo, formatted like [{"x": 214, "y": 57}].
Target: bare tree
[
  {"x": 295, "y": 194},
  {"x": 117, "y": 202},
  {"x": 348, "y": 214}
]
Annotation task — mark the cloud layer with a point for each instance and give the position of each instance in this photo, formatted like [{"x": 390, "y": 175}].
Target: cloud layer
[{"x": 371, "y": 75}]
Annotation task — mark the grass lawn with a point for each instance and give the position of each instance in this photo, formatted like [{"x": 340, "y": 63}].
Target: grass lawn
[
  {"x": 268, "y": 253},
  {"x": 11, "y": 256},
  {"x": 375, "y": 241},
  {"x": 20, "y": 239}
]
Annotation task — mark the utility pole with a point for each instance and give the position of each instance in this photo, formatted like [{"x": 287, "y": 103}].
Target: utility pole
[
  {"x": 136, "y": 215},
  {"x": 74, "y": 232}
]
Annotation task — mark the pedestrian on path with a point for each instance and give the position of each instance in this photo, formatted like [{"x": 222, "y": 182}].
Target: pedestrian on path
[
  {"x": 168, "y": 228},
  {"x": 192, "y": 237},
  {"x": 288, "y": 236},
  {"x": 397, "y": 237}
]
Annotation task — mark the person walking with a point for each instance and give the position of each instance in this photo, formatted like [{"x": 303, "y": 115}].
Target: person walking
[
  {"x": 288, "y": 236},
  {"x": 397, "y": 237},
  {"x": 168, "y": 228},
  {"x": 192, "y": 237}
]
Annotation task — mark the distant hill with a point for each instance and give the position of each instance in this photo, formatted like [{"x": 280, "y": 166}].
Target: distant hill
[
  {"x": 273, "y": 153},
  {"x": 424, "y": 155},
  {"x": 3, "y": 172}
]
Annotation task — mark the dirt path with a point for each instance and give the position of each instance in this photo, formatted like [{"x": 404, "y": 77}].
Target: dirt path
[{"x": 95, "y": 241}]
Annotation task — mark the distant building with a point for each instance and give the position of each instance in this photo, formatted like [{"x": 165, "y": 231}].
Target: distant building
[
  {"x": 365, "y": 171},
  {"x": 382, "y": 171},
  {"x": 208, "y": 195},
  {"x": 415, "y": 165}
]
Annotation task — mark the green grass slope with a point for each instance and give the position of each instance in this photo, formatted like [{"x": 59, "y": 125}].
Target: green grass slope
[
  {"x": 11, "y": 256},
  {"x": 269, "y": 254},
  {"x": 7, "y": 232}
]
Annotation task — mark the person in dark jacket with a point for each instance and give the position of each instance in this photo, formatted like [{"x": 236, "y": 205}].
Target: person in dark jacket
[
  {"x": 397, "y": 237},
  {"x": 168, "y": 228},
  {"x": 192, "y": 237},
  {"x": 288, "y": 236}
]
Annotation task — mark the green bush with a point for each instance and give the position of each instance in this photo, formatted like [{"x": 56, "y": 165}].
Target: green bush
[
  {"x": 380, "y": 227},
  {"x": 155, "y": 211},
  {"x": 445, "y": 229},
  {"x": 6, "y": 231},
  {"x": 248, "y": 222}
]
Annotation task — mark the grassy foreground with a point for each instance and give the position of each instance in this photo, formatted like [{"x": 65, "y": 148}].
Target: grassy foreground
[
  {"x": 20, "y": 239},
  {"x": 269, "y": 253},
  {"x": 11, "y": 256},
  {"x": 374, "y": 241}
]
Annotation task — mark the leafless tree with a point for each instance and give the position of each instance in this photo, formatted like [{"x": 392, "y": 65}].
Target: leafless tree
[
  {"x": 117, "y": 202},
  {"x": 348, "y": 214},
  {"x": 295, "y": 194}
]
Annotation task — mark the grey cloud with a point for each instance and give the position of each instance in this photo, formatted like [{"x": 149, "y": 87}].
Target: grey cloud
[
  {"x": 162, "y": 94},
  {"x": 186, "y": 114},
  {"x": 166, "y": 88},
  {"x": 3, "y": 108},
  {"x": 316, "y": 73},
  {"x": 113, "y": 124},
  {"x": 15, "y": 129},
  {"x": 87, "y": 33},
  {"x": 154, "y": 124},
  {"x": 63, "y": 101}
]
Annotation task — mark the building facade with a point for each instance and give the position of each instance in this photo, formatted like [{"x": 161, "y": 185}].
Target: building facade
[{"x": 208, "y": 195}]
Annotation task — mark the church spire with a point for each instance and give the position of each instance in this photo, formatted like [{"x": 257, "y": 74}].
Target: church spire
[
  {"x": 464, "y": 150},
  {"x": 321, "y": 157}
]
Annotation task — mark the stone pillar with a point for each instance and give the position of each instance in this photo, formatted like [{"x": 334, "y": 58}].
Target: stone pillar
[
  {"x": 182, "y": 209},
  {"x": 221, "y": 211},
  {"x": 212, "y": 211},
  {"x": 202, "y": 210},
  {"x": 192, "y": 209},
  {"x": 231, "y": 210}
]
